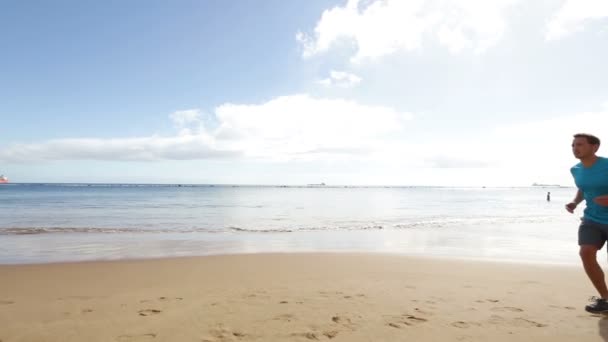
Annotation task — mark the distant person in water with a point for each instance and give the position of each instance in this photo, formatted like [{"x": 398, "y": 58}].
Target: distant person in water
[
  {"x": 548, "y": 196},
  {"x": 591, "y": 179}
]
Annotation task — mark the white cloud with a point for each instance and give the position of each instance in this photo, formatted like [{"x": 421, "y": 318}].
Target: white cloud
[
  {"x": 573, "y": 16},
  {"x": 543, "y": 147},
  {"x": 184, "y": 117},
  {"x": 305, "y": 128},
  {"x": 550, "y": 131},
  {"x": 451, "y": 162},
  {"x": 537, "y": 146},
  {"x": 301, "y": 126},
  {"x": 181, "y": 147},
  {"x": 341, "y": 79},
  {"x": 187, "y": 121},
  {"x": 191, "y": 142},
  {"x": 382, "y": 27},
  {"x": 288, "y": 127}
]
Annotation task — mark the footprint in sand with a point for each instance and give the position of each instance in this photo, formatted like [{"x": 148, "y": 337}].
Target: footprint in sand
[
  {"x": 463, "y": 324},
  {"x": 341, "y": 320},
  {"x": 86, "y": 310},
  {"x": 423, "y": 301},
  {"x": 495, "y": 319},
  {"x": 460, "y": 324},
  {"x": 6, "y": 302},
  {"x": 143, "y": 337},
  {"x": 562, "y": 307},
  {"x": 285, "y": 318},
  {"x": 526, "y": 322},
  {"x": 359, "y": 295},
  {"x": 330, "y": 334},
  {"x": 328, "y": 294},
  {"x": 344, "y": 321},
  {"x": 519, "y": 321},
  {"x": 315, "y": 336},
  {"x": 507, "y": 308},
  {"x": 487, "y": 301},
  {"x": 308, "y": 335},
  {"x": 149, "y": 312},
  {"x": 405, "y": 319},
  {"x": 423, "y": 312},
  {"x": 222, "y": 333},
  {"x": 257, "y": 295},
  {"x": 164, "y": 299}
]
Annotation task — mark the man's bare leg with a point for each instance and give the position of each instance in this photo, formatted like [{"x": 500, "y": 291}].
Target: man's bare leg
[{"x": 594, "y": 271}]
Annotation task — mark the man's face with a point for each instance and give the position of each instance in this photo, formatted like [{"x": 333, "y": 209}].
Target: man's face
[{"x": 582, "y": 149}]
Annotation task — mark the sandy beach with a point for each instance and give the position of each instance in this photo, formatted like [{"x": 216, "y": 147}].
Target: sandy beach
[{"x": 296, "y": 297}]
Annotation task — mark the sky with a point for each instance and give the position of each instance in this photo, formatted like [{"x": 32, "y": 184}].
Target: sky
[{"x": 357, "y": 92}]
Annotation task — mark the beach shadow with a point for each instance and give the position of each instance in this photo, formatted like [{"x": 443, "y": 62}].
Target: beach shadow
[{"x": 603, "y": 327}]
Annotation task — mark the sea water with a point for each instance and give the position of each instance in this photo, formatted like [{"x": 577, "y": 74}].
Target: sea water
[{"x": 75, "y": 222}]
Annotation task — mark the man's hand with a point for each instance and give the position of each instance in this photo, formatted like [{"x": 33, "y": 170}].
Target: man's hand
[
  {"x": 601, "y": 200},
  {"x": 571, "y": 206}
]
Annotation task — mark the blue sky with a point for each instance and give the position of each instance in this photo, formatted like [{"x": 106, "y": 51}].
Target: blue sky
[{"x": 292, "y": 92}]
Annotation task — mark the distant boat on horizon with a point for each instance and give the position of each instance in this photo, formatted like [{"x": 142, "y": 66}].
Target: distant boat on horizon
[
  {"x": 3, "y": 179},
  {"x": 546, "y": 185}
]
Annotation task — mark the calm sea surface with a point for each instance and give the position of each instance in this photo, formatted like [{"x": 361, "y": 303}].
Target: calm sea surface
[{"x": 70, "y": 222}]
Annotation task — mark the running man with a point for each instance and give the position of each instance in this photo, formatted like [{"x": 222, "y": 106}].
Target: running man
[{"x": 591, "y": 179}]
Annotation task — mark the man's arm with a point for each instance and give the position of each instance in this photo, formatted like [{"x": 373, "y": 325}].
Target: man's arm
[
  {"x": 578, "y": 198},
  {"x": 575, "y": 202}
]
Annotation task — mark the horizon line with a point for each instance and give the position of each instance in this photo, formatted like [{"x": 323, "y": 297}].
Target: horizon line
[{"x": 310, "y": 185}]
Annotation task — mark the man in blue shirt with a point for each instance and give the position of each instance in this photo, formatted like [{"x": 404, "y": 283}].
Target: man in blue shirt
[{"x": 591, "y": 179}]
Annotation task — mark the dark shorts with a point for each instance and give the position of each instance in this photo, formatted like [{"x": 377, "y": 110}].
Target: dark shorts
[{"x": 592, "y": 233}]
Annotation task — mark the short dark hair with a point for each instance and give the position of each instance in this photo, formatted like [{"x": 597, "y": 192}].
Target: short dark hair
[{"x": 591, "y": 139}]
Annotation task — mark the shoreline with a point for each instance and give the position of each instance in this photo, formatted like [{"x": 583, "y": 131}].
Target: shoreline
[
  {"x": 432, "y": 257},
  {"x": 493, "y": 243}
]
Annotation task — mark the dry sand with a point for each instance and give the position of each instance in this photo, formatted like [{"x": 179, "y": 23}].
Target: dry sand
[{"x": 296, "y": 297}]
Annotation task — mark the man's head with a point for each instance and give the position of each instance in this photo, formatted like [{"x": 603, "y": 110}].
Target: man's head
[{"x": 585, "y": 145}]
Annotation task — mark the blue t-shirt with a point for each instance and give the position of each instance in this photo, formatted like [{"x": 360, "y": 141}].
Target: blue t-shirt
[{"x": 593, "y": 182}]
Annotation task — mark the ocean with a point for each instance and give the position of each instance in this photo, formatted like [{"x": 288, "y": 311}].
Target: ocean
[{"x": 42, "y": 223}]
